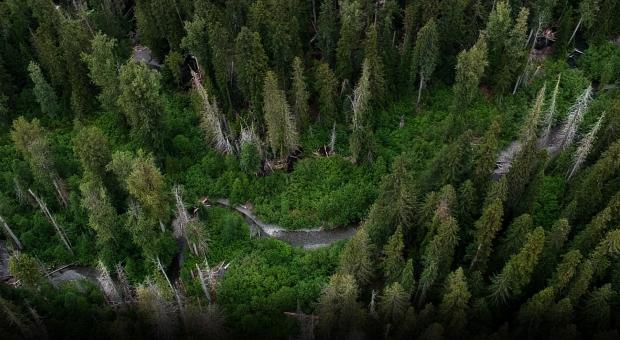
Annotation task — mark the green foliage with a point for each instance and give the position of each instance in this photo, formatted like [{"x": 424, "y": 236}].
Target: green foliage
[
  {"x": 300, "y": 94},
  {"x": 140, "y": 101},
  {"x": 281, "y": 130},
  {"x": 338, "y": 309},
  {"x": 43, "y": 91},
  {"x": 26, "y": 269},
  {"x": 251, "y": 66},
  {"x": 469, "y": 70},
  {"x": 93, "y": 150},
  {"x": 102, "y": 63},
  {"x": 326, "y": 86},
  {"x": 425, "y": 54},
  {"x": 453, "y": 309},
  {"x": 356, "y": 259},
  {"x": 394, "y": 261}
]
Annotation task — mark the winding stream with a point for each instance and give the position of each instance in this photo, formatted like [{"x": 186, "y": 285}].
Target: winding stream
[{"x": 304, "y": 238}]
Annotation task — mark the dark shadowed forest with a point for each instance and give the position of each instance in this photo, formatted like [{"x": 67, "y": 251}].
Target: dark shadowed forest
[{"x": 310, "y": 169}]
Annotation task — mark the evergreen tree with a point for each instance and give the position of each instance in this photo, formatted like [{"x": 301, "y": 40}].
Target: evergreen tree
[
  {"x": 565, "y": 271},
  {"x": 102, "y": 216},
  {"x": 338, "y": 309},
  {"x": 469, "y": 70},
  {"x": 407, "y": 279},
  {"x": 581, "y": 281},
  {"x": 594, "y": 231},
  {"x": 93, "y": 150},
  {"x": 527, "y": 161},
  {"x": 351, "y": 27},
  {"x": 515, "y": 236},
  {"x": 251, "y": 66},
  {"x": 485, "y": 231},
  {"x": 537, "y": 308},
  {"x": 26, "y": 270},
  {"x": 598, "y": 312},
  {"x": 43, "y": 91},
  {"x": 74, "y": 40},
  {"x": 140, "y": 101},
  {"x": 393, "y": 304},
  {"x": 146, "y": 183},
  {"x": 103, "y": 69},
  {"x": 32, "y": 142},
  {"x": 485, "y": 156},
  {"x": 281, "y": 130},
  {"x": 327, "y": 31},
  {"x": 326, "y": 85},
  {"x": 361, "y": 141},
  {"x": 196, "y": 41},
  {"x": 300, "y": 94},
  {"x": 439, "y": 251},
  {"x": 453, "y": 310},
  {"x": 377, "y": 69},
  {"x": 425, "y": 55},
  {"x": 517, "y": 272},
  {"x": 355, "y": 259},
  {"x": 394, "y": 261},
  {"x": 595, "y": 187}
]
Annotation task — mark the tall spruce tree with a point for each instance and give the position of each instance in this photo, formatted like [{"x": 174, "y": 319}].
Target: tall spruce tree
[
  {"x": 517, "y": 272},
  {"x": 453, "y": 310},
  {"x": 327, "y": 31},
  {"x": 251, "y": 66},
  {"x": 356, "y": 260},
  {"x": 338, "y": 310},
  {"x": 394, "y": 261},
  {"x": 281, "y": 130},
  {"x": 43, "y": 91},
  {"x": 469, "y": 70},
  {"x": 103, "y": 67},
  {"x": 326, "y": 85},
  {"x": 425, "y": 55},
  {"x": 299, "y": 94},
  {"x": 140, "y": 101}
]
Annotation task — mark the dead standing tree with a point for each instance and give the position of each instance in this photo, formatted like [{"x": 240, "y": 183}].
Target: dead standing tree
[
  {"x": 10, "y": 233},
  {"x": 307, "y": 323},
  {"x": 61, "y": 233}
]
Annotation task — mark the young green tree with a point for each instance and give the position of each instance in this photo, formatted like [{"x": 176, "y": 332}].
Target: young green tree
[
  {"x": 327, "y": 31},
  {"x": 469, "y": 70},
  {"x": 300, "y": 95},
  {"x": 140, "y": 101},
  {"x": 103, "y": 66},
  {"x": 281, "y": 131},
  {"x": 326, "y": 85},
  {"x": 251, "y": 65},
  {"x": 356, "y": 260},
  {"x": 598, "y": 311},
  {"x": 196, "y": 41},
  {"x": 485, "y": 156},
  {"x": 407, "y": 279},
  {"x": 517, "y": 272},
  {"x": 338, "y": 310},
  {"x": 394, "y": 261},
  {"x": 535, "y": 310},
  {"x": 43, "y": 91},
  {"x": 74, "y": 40},
  {"x": 565, "y": 271},
  {"x": 425, "y": 55},
  {"x": 453, "y": 310},
  {"x": 93, "y": 151}
]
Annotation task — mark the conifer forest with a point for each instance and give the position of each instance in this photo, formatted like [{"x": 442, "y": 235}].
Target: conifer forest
[{"x": 310, "y": 169}]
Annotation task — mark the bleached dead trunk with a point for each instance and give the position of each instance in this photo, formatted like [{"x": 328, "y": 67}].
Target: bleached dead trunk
[
  {"x": 574, "y": 117},
  {"x": 11, "y": 234},
  {"x": 59, "y": 230},
  {"x": 174, "y": 291},
  {"x": 420, "y": 89},
  {"x": 576, "y": 29},
  {"x": 125, "y": 287},
  {"x": 584, "y": 147},
  {"x": 182, "y": 216},
  {"x": 332, "y": 140},
  {"x": 548, "y": 120},
  {"x": 203, "y": 282},
  {"x": 107, "y": 285},
  {"x": 60, "y": 192}
]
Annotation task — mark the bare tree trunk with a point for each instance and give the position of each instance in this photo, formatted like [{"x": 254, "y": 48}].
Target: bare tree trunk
[
  {"x": 59, "y": 191},
  {"x": 59, "y": 230},
  {"x": 11, "y": 234},
  {"x": 203, "y": 283},
  {"x": 576, "y": 29},
  {"x": 174, "y": 290},
  {"x": 420, "y": 89}
]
